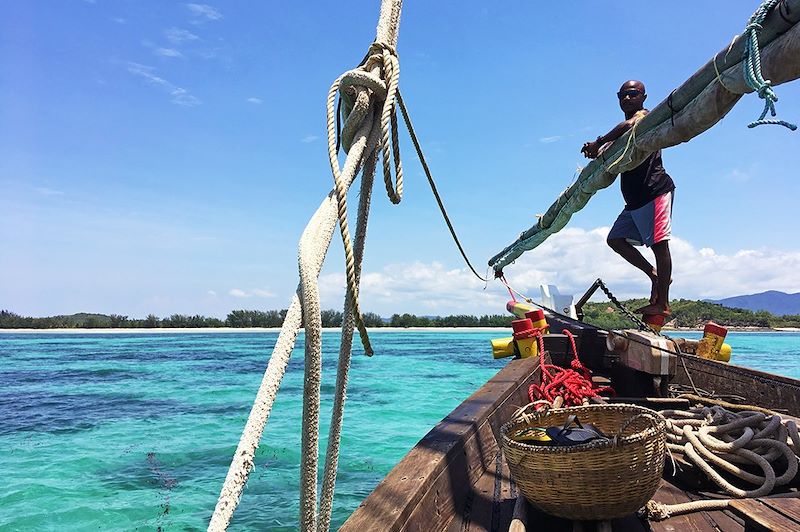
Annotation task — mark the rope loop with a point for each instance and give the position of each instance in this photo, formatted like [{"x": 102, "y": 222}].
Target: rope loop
[
  {"x": 751, "y": 67},
  {"x": 360, "y": 91}
]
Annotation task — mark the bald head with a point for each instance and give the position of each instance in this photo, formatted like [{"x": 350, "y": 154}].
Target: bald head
[
  {"x": 633, "y": 84},
  {"x": 631, "y": 97}
]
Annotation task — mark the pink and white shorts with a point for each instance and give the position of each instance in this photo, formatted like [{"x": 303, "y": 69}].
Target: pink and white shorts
[{"x": 648, "y": 225}]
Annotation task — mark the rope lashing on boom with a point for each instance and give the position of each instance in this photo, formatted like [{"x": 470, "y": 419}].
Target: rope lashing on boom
[
  {"x": 719, "y": 441},
  {"x": 751, "y": 67},
  {"x": 573, "y": 385}
]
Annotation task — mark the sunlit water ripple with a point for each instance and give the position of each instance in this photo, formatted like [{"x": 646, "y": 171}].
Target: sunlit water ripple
[{"x": 136, "y": 431}]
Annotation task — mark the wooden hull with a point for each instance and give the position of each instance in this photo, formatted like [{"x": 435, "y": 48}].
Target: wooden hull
[{"x": 455, "y": 478}]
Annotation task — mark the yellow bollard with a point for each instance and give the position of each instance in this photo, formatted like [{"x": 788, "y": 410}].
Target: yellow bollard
[
  {"x": 538, "y": 320},
  {"x": 710, "y": 344},
  {"x": 655, "y": 321},
  {"x": 519, "y": 308},
  {"x": 526, "y": 345},
  {"x": 724, "y": 354},
  {"x": 503, "y": 347}
]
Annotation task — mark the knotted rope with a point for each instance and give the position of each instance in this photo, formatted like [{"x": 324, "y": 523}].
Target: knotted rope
[
  {"x": 751, "y": 67},
  {"x": 720, "y": 441},
  {"x": 377, "y": 76},
  {"x": 361, "y": 140},
  {"x": 573, "y": 385}
]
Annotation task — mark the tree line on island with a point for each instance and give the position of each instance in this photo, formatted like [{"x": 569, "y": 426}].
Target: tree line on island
[{"x": 685, "y": 313}]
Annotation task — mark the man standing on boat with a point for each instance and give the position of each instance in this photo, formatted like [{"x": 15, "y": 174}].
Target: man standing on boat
[{"x": 647, "y": 216}]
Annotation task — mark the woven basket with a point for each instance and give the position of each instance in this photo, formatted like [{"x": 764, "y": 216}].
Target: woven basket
[{"x": 595, "y": 480}]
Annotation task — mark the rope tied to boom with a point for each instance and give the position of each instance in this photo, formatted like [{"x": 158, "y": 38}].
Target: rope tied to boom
[{"x": 751, "y": 67}]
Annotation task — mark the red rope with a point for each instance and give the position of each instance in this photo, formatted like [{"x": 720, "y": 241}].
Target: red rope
[
  {"x": 573, "y": 385},
  {"x": 503, "y": 280}
]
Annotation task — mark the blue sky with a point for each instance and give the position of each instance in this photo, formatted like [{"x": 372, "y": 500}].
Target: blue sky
[{"x": 164, "y": 157}]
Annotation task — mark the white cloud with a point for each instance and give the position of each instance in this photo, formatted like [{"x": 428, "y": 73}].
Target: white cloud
[
  {"x": 571, "y": 260},
  {"x": 180, "y": 96},
  {"x": 204, "y": 11},
  {"x": 548, "y": 140},
  {"x": 257, "y": 101},
  {"x": 167, "y": 52},
  {"x": 423, "y": 288},
  {"x": 212, "y": 293},
  {"x": 256, "y": 292},
  {"x": 178, "y": 35},
  {"x": 737, "y": 176},
  {"x": 309, "y": 138},
  {"x": 48, "y": 191}
]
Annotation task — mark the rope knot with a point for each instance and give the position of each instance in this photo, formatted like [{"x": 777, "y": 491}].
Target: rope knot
[
  {"x": 377, "y": 48},
  {"x": 753, "y": 26},
  {"x": 751, "y": 66},
  {"x": 655, "y": 510},
  {"x": 766, "y": 92}
]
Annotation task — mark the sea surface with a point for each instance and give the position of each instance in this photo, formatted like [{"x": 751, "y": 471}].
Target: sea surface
[{"x": 136, "y": 431}]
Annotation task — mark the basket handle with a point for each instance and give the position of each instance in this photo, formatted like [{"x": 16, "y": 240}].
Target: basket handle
[{"x": 650, "y": 417}]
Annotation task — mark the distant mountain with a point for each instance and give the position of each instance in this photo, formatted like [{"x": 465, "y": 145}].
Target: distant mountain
[{"x": 778, "y": 303}]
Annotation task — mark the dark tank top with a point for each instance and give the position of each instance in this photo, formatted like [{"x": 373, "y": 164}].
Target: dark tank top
[{"x": 646, "y": 182}]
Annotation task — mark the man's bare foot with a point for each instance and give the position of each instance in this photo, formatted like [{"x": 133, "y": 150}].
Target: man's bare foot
[{"x": 653, "y": 309}]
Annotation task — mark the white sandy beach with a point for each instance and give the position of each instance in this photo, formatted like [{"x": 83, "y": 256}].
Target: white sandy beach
[
  {"x": 228, "y": 330},
  {"x": 255, "y": 330}
]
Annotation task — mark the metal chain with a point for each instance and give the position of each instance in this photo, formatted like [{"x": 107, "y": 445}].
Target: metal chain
[{"x": 631, "y": 316}]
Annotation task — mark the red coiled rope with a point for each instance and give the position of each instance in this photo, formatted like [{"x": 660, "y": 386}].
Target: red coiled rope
[{"x": 573, "y": 385}]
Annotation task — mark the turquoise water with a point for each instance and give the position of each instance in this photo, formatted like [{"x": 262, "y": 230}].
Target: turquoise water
[{"x": 126, "y": 432}]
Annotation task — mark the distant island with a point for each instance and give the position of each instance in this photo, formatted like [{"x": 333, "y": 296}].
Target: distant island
[
  {"x": 778, "y": 303},
  {"x": 685, "y": 313}
]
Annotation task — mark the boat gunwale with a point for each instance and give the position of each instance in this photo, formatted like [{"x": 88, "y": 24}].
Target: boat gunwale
[{"x": 467, "y": 439}]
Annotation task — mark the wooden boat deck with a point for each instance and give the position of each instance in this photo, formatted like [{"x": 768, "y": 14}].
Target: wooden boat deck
[
  {"x": 456, "y": 479},
  {"x": 490, "y": 509}
]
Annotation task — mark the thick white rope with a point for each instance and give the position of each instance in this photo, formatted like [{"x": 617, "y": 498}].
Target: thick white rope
[
  {"x": 716, "y": 439},
  {"x": 318, "y": 232},
  {"x": 345, "y": 348},
  {"x": 312, "y": 250}
]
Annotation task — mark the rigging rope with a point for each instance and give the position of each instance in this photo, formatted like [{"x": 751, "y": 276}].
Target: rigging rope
[
  {"x": 751, "y": 67},
  {"x": 361, "y": 133},
  {"x": 427, "y": 170}
]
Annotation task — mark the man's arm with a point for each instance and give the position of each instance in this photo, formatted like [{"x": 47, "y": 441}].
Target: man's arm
[{"x": 591, "y": 148}]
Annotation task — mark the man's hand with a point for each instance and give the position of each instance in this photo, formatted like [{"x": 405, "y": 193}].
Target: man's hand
[{"x": 590, "y": 149}]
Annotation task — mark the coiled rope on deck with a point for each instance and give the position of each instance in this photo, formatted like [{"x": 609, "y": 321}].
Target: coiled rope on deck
[{"x": 720, "y": 441}]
